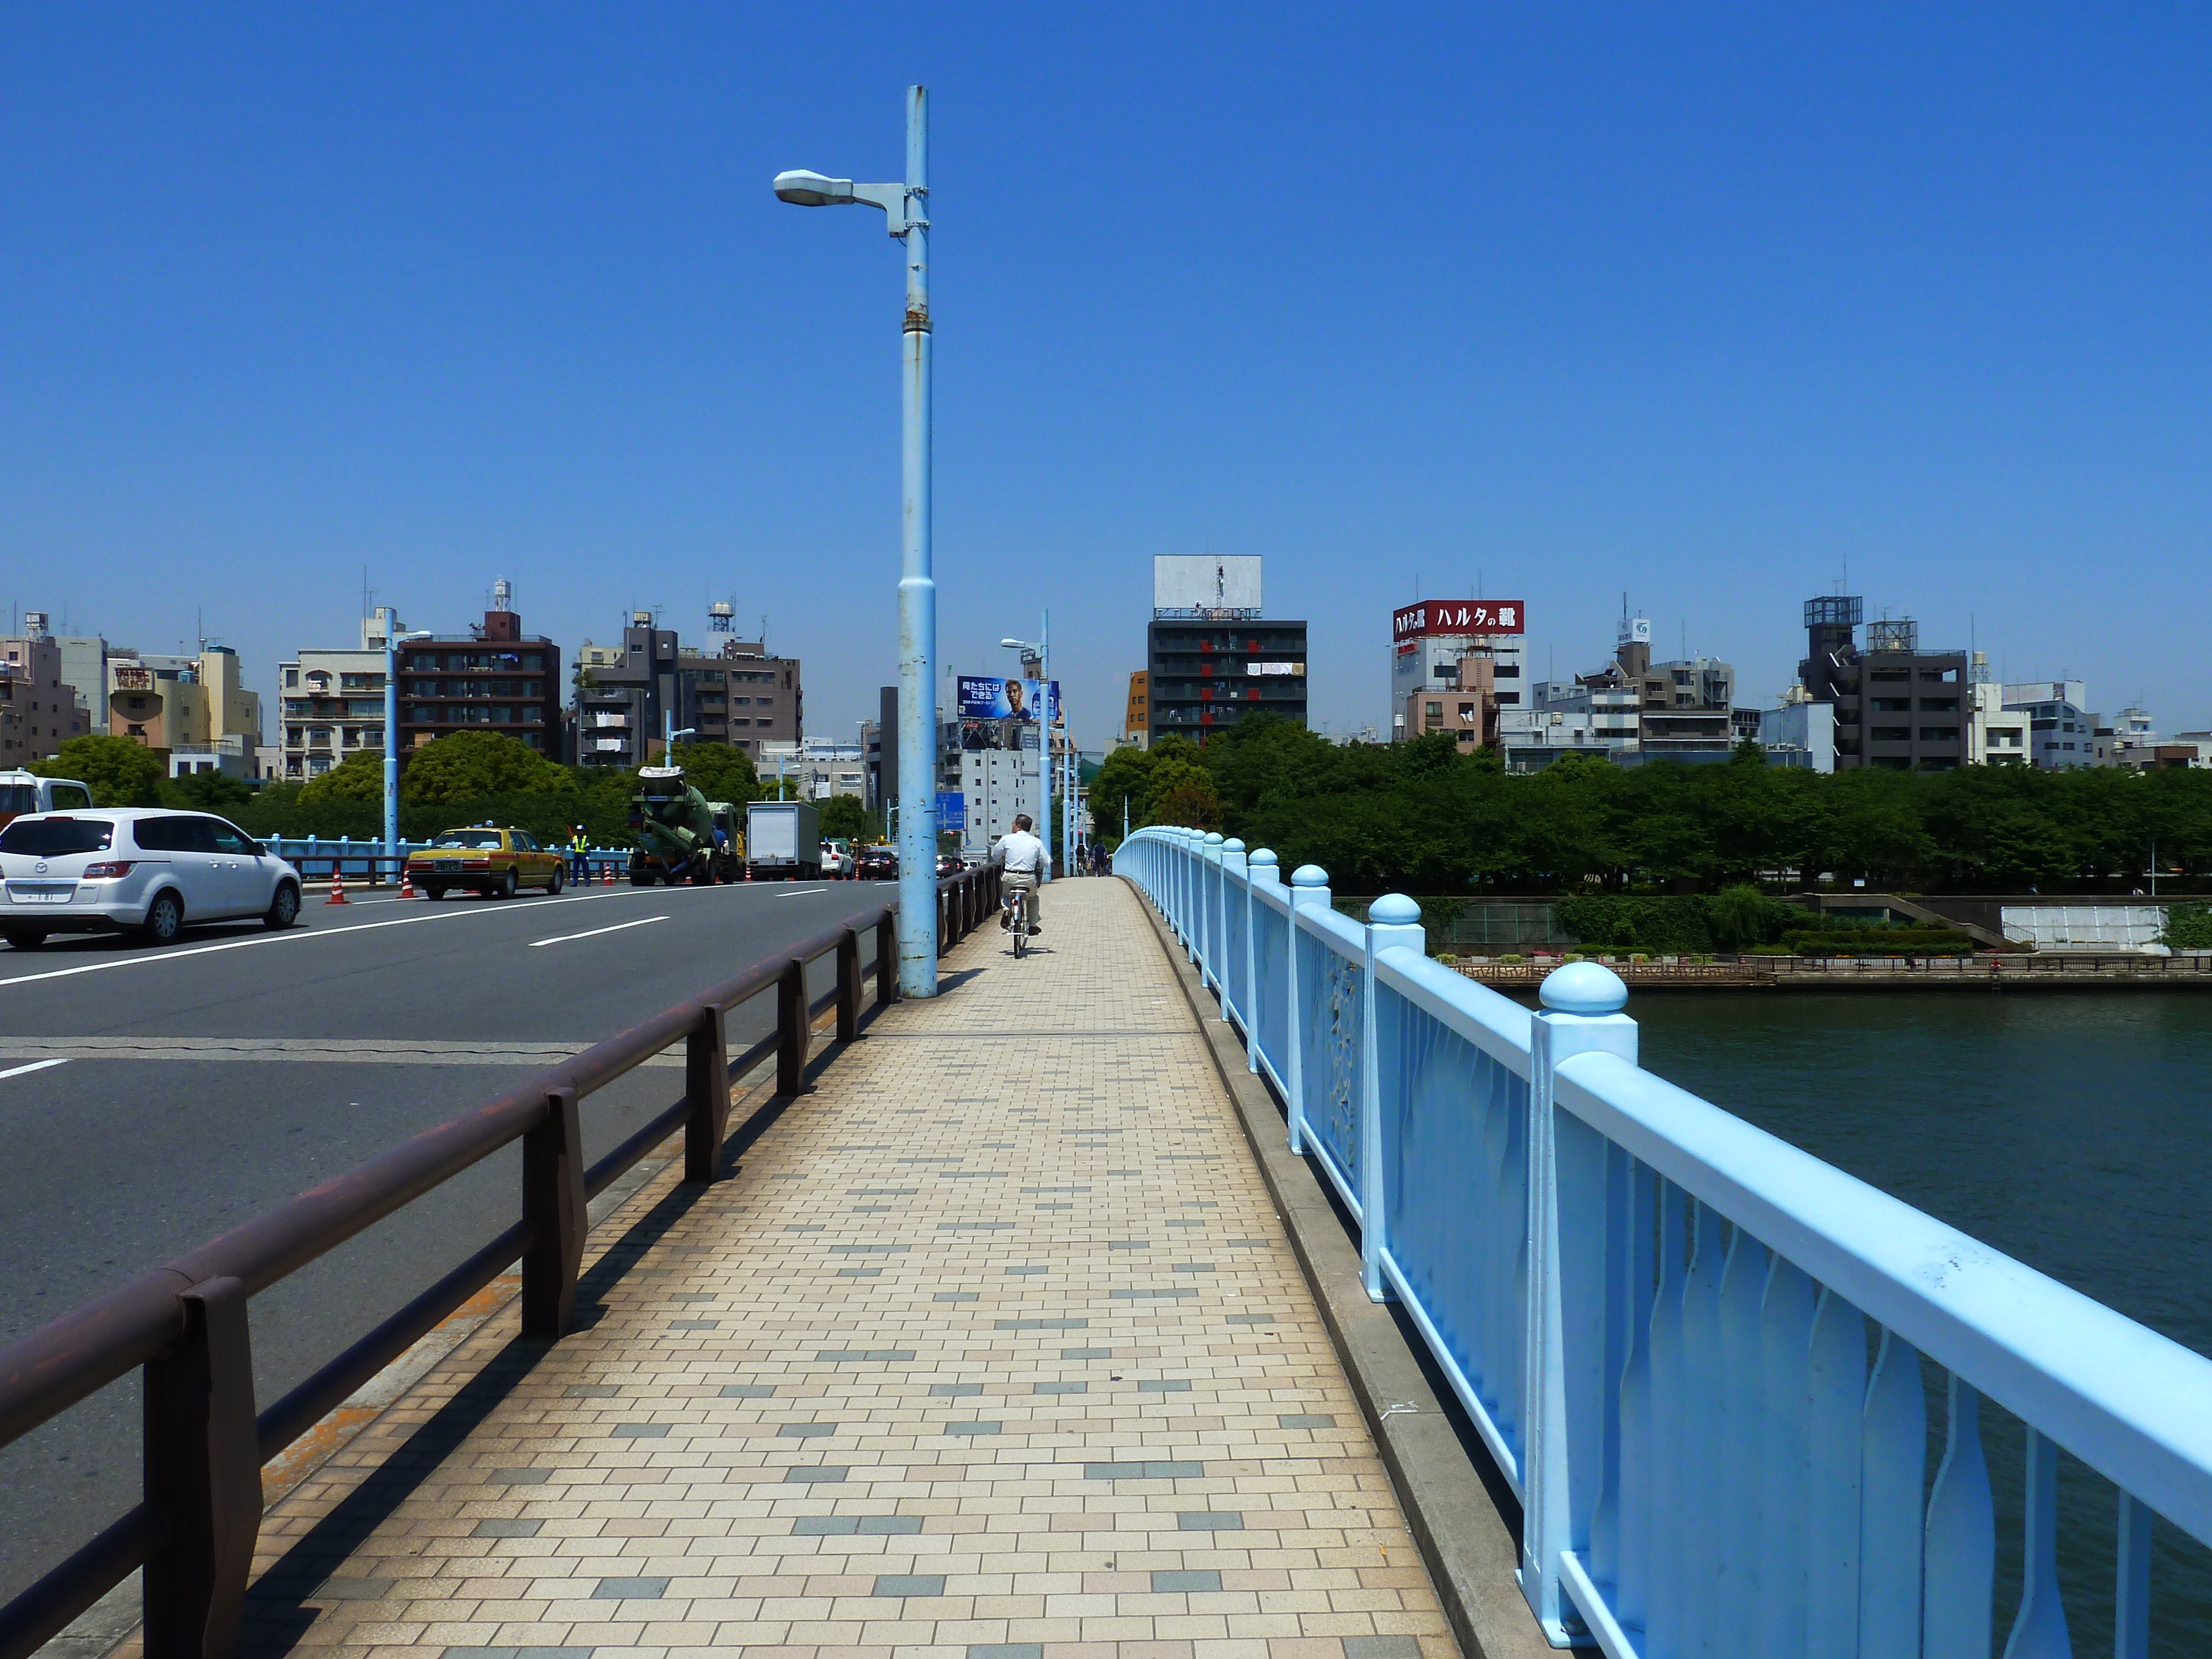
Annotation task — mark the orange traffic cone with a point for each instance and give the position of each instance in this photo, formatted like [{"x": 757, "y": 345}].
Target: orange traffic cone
[
  {"x": 338, "y": 887},
  {"x": 608, "y": 870},
  {"x": 406, "y": 882}
]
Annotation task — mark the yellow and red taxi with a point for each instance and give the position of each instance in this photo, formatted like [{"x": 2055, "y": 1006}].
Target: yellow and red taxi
[{"x": 496, "y": 862}]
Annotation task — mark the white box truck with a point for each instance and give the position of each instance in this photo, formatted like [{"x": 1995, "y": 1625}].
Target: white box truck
[{"x": 783, "y": 839}]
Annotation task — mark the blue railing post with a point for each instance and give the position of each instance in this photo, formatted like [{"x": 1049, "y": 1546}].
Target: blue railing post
[
  {"x": 1309, "y": 887},
  {"x": 1187, "y": 844},
  {"x": 1229, "y": 948},
  {"x": 1258, "y": 871},
  {"x": 1393, "y": 919},
  {"x": 1209, "y": 907},
  {"x": 1562, "y": 1458}
]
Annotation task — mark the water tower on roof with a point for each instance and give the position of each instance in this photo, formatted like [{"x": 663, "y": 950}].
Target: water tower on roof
[{"x": 721, "y": 617}]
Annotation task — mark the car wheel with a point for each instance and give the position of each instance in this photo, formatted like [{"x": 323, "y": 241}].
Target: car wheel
[
  {"x": 165, "y": 919},
  {"x": 508, "y": 886},
  {"x": 26, "y": 938},
  {"x": 553, "y": 884},
  {"x": 284, "y": 909}
]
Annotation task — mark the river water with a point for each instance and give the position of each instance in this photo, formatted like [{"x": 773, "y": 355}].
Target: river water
[{"x": 2071, "y": 1130}]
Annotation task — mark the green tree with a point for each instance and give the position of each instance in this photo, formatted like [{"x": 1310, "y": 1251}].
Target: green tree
[
  {"x": 469, "y": 765},
  {"x": 358, "y": 777},
  {"x": 208, "y": 792},
  {"x": 720, "y": 771},
  {"x": 1124, "y": 778},
  {"x": 118, "y": 772},
  {"x": 848, "y": 818}
]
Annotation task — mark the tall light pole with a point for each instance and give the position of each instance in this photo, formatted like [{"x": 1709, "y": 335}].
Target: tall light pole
[
  {"x": 907, "y": 208},
  {"x": 393, "y": 636}
]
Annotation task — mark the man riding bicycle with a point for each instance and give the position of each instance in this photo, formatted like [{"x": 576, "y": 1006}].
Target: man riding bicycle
[{"x": 1023, "y": 861}]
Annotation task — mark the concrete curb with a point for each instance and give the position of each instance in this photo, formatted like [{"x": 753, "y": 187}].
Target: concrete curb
[{"x": 1452, "y": 1504}]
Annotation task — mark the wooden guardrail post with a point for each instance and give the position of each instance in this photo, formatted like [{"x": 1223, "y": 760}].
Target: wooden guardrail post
[
  {"x": 202, "y": 1464},
  {"x": 553, "y": 1206},
  {"x": 791, "y": 1029},
  {"x": 887, "y": 960},
  {"x": 848, "y": 985},
  {"x": 707, "y": 1087}
]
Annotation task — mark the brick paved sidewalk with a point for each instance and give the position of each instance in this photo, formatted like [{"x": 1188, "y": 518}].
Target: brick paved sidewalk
[{"x": 992, "y": 1349}]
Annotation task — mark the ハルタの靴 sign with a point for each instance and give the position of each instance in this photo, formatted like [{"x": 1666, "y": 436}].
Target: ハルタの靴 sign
[{"x": 1413, "y": 622}]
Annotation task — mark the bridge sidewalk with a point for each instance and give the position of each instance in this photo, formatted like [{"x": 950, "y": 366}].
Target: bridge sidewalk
[{"x": 992, "y": 1348}]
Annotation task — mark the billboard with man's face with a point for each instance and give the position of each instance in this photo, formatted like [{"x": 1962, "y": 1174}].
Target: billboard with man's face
[{"x": 984, "y": 697}]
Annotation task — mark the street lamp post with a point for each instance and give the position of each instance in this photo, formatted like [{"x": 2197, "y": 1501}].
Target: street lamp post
[
  {"x": 906, "y": 207},
  {"x": 393, "y": 637}
]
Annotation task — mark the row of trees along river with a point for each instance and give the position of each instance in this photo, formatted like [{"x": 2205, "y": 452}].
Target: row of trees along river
[{"x": 1422, "y": 817}]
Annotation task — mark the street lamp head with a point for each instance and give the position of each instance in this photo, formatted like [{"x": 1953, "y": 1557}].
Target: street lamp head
[
  {"x": 806, "y": 189},
  {"x": 1017, "y": 645},
  {"x": 418, "y": 634}
]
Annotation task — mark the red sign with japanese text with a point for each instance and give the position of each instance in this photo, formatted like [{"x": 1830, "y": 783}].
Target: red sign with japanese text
[{"x": 1413, "y": 621}]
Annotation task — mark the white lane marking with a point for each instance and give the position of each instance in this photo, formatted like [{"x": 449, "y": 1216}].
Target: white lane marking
[
  {"x": 35, "y": 1066},
  {"x": 455, "y": 915},
  {"x": 563, "y": 939},
  {"x": 802, "y": 892}
]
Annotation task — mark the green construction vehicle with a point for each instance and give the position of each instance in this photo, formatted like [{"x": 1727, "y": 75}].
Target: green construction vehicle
[{"x": 675, "y": 827}]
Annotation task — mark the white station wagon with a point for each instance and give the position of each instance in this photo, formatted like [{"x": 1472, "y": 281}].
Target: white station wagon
[{"x": 147, "y": 871}]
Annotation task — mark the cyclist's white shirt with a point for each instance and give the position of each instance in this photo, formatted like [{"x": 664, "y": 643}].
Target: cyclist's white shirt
[{"x": 1021, "y": 853}]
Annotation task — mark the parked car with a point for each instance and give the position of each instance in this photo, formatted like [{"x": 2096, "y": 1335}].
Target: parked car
[
  {"x": 878, "y": 864},
  {"x": 27, "y": 792},
  {"x": 949, "y": 866},
  {"x": 498, "y": 863},
  {"x": 143, "y": 871}
]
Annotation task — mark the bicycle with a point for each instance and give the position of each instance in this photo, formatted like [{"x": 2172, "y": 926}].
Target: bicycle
[{"x": 1017, "y": 907}]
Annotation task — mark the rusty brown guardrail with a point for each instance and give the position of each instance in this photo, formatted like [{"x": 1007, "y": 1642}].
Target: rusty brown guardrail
[{"x": 184, "y": 1323}]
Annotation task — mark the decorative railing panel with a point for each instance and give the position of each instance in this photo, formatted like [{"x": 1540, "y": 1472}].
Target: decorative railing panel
[{"x": 1704, "y": 1358}]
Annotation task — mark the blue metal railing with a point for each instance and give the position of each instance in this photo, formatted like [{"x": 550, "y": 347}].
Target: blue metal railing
[{"x": 1659, "y": 1317}]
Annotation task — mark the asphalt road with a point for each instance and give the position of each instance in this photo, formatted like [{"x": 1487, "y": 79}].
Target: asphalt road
[{"x": 150, "y": 1099}]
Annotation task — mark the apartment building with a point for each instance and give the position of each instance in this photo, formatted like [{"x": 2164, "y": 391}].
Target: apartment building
[
  {"x": 2062, "y": 731},
  {"x": 493, "y": 679},
  {"x": 626, "y": 695},
  {"x": 39, "y": 710},
  {"x": 195, "y": 711},
  {"x": 1896, "y": 706},
  {"x": 333, "y": 700},
  {"x": 740, "y": 695}
]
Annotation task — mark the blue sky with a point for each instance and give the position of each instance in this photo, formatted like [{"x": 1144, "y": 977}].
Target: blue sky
[{"x": 1704, "y": 303}]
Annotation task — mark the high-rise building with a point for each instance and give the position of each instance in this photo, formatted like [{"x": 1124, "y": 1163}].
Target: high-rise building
[
  {"x": 1209, "y": 654},
  {"x": 1895, "y": 705}
]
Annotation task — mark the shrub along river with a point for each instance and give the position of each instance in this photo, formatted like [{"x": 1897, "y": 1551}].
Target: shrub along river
[{"x": 2070, "y": 1130}]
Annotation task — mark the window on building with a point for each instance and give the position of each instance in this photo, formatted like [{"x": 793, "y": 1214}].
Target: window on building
[
  {"x": 1939, "y": 734},
  {"x": 1892, "y": 734},
  {"x": 291, "y": 679}
]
